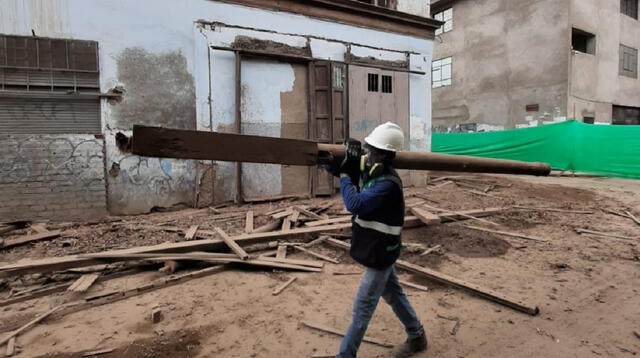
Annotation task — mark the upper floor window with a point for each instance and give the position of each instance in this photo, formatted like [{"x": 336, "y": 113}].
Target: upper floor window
[
  {"x": 628, "y": 61},
  {"x": 583, "y": 41},
  {"x": 441, "y": 72},
  {"x": 629, "y": 8},
  {"x": 447, "y": 17}
]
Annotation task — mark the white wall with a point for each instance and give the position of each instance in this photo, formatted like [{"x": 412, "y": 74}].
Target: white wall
[{"x": 167, "y": 33}]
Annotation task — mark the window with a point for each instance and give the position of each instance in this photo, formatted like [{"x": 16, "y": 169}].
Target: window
[
  {"x": 629, "y": 8},
  {"x": 626, "y": 115},
  {"x": 583, "y": 41},
  {"x": 628, "y": 61},
  {"x": 588, "y": 120},
  {"x": 372, "y": 82},
  {"x": 387, "y": 84},
  {"x": 441, "y": 72},
  {"x": 381, "y": 3},
  {"x": 447, "y": 17},
  {"x": 38, "y": 79}
]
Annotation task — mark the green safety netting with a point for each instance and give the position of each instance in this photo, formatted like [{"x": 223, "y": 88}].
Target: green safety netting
[{"x": 605, "y": 150}]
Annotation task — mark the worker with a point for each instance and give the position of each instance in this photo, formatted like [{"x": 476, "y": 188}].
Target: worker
[{"x": 372, "y": 191}]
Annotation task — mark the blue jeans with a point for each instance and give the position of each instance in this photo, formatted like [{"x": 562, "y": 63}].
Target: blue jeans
[{"x": 375, "y": 284}]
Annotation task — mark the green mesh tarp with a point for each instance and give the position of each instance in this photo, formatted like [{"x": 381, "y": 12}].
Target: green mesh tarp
[{"x": 605, "y": 150}]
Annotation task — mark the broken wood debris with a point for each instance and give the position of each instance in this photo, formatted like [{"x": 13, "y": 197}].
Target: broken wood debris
[
  {"x": 317, "y": 255},
  {"x": 425, "y": 216},
  {"x": 11, "y": 347},
  {"x": 64, "y": 262},
  {"x": 430, "y": 250},
  {"x": 98, "y": 352},
  {"x": 505, "y": 233},
  {"x": 327, "y": 329},
  {"x": 281, "y": 252},
  {"x": 557, "y": 210},
  {"x": 29, "y": 238},
  {"x": 278, "y": 290},
  {"x": 451, "y": 281},
  {"x": 30, "y": 324},
  {"x": 248, "y": 226},
  {"x": 83, "y": 283},
  {"x": 190, "y": 234},
  {"x": 232, "y": 244},
  {"x": 413, "y": 285},
  {"x": 604, "y": 234}
]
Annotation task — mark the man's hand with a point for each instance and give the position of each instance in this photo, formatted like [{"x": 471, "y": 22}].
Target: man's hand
[{"x": 351, "y": 163}]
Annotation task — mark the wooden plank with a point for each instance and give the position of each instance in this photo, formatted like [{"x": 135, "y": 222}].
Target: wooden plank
[
  {"x": 604, "y": 234},
  {"x": 451, "y": 281},
  {"x": 267, "y": 227},
  {"x": 8, "y": 228},
  {"x": 327, "y": 329},
  {"x": 315, "y": 254},
  {"x": 308, "y": 213},
  {"x": 29, "y": 324},
  {"x": 278, "y": 290},
  {"x": 505, "y": 233},
  {"x": 476, "y": 192},
  {"x": 29, "y": 238},
  {"x": 553, "y": 210},
  {"x": 282, "y": 214},
  {"x": 191, "y": 232},
  {"x": 309, "y": 263},
  {"x": 98, "y": 352},
  {"x": 286, "y": 224},
  {"x": 453, "y": 215},
  {"x": 39, "y": 228},
  {"x": 282, "y": 252},
  {"x": 294, "y": 217},
  {"x": 328, "y": 221},
  {"x": 425, "y": 216},
  {"x": 190, "y": 144},
  {"x": 413, "y": 285},
  {"x": 83, "y": 283},
  {"x": 232, "y": 244},
  {"x": 65, "y": 262},
  {"x": 630, "y": 215},
  {"x": 248, "y": 225},
  {"x": 430, "y": 250},
  {"x": 476, "y": 213},
  {"x": 11, "y": 347}
]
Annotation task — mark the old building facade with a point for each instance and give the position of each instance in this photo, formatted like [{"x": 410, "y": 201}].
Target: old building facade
[
  {"x": 74, "y": 74},
  {"x": 501, "y": 64}
]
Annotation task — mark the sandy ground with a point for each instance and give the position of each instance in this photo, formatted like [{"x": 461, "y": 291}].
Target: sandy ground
[{"x": 587, "y": 288}]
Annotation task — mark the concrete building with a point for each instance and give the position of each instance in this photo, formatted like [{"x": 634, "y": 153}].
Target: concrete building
[
  {"x": 76, "y": 73},
  {"x": 501, "y": 64}
]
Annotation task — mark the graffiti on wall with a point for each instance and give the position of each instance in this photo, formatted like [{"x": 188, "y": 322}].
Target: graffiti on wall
[{"x": 64, "y": 161}]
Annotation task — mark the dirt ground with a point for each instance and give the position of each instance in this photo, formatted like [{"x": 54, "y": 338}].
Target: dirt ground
[{"x": 587, "y": 287}]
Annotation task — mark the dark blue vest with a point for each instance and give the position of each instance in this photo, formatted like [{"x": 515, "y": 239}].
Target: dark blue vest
[{"x": 375, "y": 238}]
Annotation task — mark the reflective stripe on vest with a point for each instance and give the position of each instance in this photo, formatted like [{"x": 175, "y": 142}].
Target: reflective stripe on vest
[{"x": 378, "y": 226}]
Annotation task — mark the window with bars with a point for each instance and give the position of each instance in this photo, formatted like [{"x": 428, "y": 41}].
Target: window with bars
[
  {"x": 387, "y": 84},
  {"x": 40, "y": 79},
  {"x": 40, "y": 64},
  {"x": 372, "y": 82},
  {"x": 628, "y": 61},
  {"x": 629, "y": 8},
  {"x": 447, "y": 17},
  {"x": 441, "y": 72}
]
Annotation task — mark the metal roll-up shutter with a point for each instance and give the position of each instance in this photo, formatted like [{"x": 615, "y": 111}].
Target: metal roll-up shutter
[{"x": 49, "y": 115}]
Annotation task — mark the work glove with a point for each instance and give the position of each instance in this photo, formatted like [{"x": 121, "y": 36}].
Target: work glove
[
  {"x": 351, "y": 163},
  {"x": 333, "y": 169}
]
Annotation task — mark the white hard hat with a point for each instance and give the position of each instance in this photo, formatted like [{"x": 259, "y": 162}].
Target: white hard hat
[{"x": 387, "y": 136}]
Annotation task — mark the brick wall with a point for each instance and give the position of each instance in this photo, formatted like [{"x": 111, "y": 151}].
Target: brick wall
[{"x": 57, "y": 177}]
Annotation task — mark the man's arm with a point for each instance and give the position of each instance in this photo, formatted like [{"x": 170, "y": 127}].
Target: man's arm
[{"x": 366, "y": 201}]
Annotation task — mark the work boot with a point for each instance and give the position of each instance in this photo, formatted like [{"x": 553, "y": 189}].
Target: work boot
[{"x": 410, "y": 347}]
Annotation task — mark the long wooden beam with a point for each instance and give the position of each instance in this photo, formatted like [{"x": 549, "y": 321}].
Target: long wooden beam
[{"x": 190, "y": 144}]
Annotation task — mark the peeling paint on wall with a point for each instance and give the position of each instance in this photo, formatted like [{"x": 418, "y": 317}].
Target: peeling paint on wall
[{"x": 159, "y": 90}]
